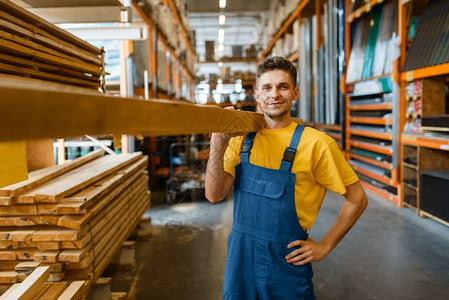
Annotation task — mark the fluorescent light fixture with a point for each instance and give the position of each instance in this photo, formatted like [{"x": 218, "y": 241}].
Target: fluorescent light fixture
[
  {"x": 220, "y": 64},
  {"x": 221, "y": 35},
  {"x": 221, "y": 19},
  {"x": 222, "y": 3},
  {"x": 220, "y": 47}
]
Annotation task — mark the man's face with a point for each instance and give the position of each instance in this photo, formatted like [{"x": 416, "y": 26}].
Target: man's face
[{"x": 275, "y": 93}]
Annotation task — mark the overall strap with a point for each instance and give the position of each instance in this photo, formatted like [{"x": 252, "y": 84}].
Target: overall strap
[
  {"x": 290, "y": 152},
  {"x": 247, "y": 146}
]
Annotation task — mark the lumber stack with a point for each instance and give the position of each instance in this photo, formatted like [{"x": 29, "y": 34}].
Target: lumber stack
[
  {"x": 33, "y": 48},
  {"x": 74, "y": 217},
  {"x": 35, "y": 287}
]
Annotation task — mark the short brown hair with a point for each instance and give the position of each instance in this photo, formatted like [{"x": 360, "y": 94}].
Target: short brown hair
[{"x": 277, "y": 63}]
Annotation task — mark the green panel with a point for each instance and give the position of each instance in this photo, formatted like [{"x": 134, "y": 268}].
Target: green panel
[
  {"x": 372, "y": 41},
  {"x": 369, "y": 154}
]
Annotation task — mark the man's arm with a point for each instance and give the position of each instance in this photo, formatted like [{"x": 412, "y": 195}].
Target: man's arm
[
  {"x": 310, "y": 250},
  {"x": 218, "y": 182}
]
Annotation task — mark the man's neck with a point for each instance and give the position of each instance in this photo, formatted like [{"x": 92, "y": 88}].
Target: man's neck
[{"x": 277, "y": 123}]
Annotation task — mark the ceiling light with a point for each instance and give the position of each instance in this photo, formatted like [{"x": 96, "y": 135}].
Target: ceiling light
[
  {"x": 221, "y": 35},
  {"x": 220, "y": 47},
  {"x": 220, "y": 64},
  {"x": 221, "y": 19},
  {"x": 222, "y": 3}
]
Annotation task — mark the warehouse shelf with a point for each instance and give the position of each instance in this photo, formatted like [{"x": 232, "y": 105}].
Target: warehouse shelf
[
  {"x": 434, "y": 143},
  {"x": 383, "y": 179},
  {"x": 410, "y": 186},
  {"x": 183, "y": 31},
  {"x": 286, "y": 24},
  {"x": 437, "y": 70},
  {"x": 375, "y": 121},
  {"x": 380, "y": 164},
  {"x": 382, "y": 106},
  {"x": 414, "y": 167},
  {"x": 362, "y": 10},
  {"x": 372, "y": 134},
  {"x": 368, "y": 79},
  {"x": 372, "y": 147},
  {"x": 381, "y": 192}
]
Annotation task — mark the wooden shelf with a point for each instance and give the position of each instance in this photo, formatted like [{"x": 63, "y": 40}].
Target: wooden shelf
[
  {"x": 362, "y": 10},
  {"x": 371, "y": 147},
  {"x": 380, "y": 164},
  {"x": 440, "y": 144},
  {"x": 374, "y": 121},
  {"x": 415, "y": 188},
  {"x": 437, "y": 70},
  {"x": 33, "y": 111},
  {"x": 289, "y": 21},
  {"x": 372, "y": 175},
  {"x": 382, "y": 106},
  {"x": 410, "y": 166},
  {"x": 294, "y": 56},
  {"x": 334, "y": 127},
  {"x": 376, "y": 135},
  {"x": 380, "y": 192}
]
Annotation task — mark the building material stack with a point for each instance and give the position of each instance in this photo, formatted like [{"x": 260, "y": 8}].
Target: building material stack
[
  {"x": 72, "y": 217},
  {"x": 33, "y": 48},
  {"x": 36, "y": 287}
]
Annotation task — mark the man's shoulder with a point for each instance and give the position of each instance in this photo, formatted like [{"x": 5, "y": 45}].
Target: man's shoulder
[{"x": 314, "y": 136}]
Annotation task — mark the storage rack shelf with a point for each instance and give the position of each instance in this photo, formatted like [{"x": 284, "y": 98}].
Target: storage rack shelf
[
  {"x": 362, "y": 10},
  {"x": 437, "y": 70},
  {"x": 380, "y": 164},
  {"x": 285, "y": 25}
]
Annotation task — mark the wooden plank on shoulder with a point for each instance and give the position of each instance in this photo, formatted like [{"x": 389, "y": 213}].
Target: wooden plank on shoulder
[
  {"x": 9, "y": 291},
  {"x": 41, "y": 176},
  {"x": 31, "y": 285},
  {"x": 78, "y": 115}
]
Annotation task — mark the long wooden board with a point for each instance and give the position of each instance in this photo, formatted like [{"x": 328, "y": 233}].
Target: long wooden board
[
  {"x": 51, "y": 113},
  {"x": 41, "y": 176},
  {"x": 80, "y": 178},
  {"x": 31, "y": 285}
]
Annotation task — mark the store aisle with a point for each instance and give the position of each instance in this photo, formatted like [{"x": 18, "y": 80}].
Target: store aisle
[{"x": 390, "y": 254}]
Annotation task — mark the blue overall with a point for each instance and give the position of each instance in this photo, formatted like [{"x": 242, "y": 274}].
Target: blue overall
[{"x": 265, "y": 222}]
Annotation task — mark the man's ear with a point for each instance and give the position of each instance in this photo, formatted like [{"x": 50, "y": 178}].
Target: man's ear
[
  {"x": 256, "y": 94},
  {"x": 296, "y": 94}
]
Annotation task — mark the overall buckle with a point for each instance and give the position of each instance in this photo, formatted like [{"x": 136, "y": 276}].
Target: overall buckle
[{"x": 289, "y": 154}]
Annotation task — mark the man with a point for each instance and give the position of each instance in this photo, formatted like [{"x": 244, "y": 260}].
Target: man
[{"x": 280, "y": 175}]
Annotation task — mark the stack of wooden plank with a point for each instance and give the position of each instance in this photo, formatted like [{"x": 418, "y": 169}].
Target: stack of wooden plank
[
  {"x": 33, "y": 48},
  {"x": 36, "y": 287},
  {"x": 73, "y": 217}
]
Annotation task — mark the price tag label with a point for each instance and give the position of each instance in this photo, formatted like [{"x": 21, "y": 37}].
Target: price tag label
[
  {"x": 358, "y": 13},
  {"x": 368, "y": 7},
  {"x": 444, "y": 147}
]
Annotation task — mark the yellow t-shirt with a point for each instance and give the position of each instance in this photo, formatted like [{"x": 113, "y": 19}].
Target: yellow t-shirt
[{"x": 318, "y": 165}]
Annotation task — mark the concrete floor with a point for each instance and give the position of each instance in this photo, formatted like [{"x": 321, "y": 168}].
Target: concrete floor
[{"x": 390, "y": 254}]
